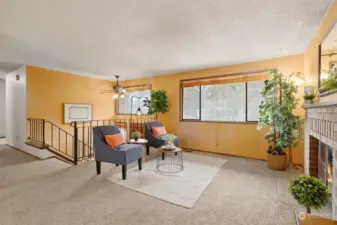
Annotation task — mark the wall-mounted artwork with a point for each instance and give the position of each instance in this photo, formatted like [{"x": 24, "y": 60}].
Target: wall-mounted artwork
[{"x": 77, "y": 112}]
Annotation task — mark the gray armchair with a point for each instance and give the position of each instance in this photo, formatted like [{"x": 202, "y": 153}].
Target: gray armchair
[
  {"x": 121, "y": 155},
  {"x": 154, "y": 141}
]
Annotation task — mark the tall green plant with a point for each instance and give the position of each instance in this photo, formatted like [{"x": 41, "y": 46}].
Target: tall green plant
[
  {"x": 276, "y": 113},
  {"x": 158, "y": 103}
]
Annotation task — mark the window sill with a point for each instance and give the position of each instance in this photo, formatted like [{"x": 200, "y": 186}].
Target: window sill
[{"x": 233, "y": 122}]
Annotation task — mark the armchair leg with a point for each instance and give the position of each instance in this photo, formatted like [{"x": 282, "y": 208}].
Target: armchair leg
[
  {"x": 147, "y": 149},
  {"x": 124, "y": 171},
  {"x": 162, "y": 155},
  {"x": 140, "y": 164},
  {"x": 98, "y": 167}
]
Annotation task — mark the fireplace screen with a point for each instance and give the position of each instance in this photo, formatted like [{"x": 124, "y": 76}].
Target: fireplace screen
[{"x": 325, "y": 164}]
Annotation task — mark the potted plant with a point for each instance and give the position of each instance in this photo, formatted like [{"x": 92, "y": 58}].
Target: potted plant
[
  {"x": 276, "y": 113},
  {"x": 136, "y": 135},
  {"x": 309, "y": 192},
  {"x": 308, "y": 98},
  {"x": 158, "y": 103},
  {"x": 169, "y": 140}
]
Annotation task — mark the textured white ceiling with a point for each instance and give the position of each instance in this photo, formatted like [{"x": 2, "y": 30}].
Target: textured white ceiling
[{"x": 137, "y": 38}]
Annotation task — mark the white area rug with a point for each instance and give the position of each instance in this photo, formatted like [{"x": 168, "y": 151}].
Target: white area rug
[{"x": 182, "y": 188}]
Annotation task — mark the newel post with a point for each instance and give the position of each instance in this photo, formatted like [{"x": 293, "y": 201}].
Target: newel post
[{"x": 75, "y": 142}]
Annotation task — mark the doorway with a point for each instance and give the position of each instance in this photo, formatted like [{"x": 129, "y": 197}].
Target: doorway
[{"x": 2, "y": 109}]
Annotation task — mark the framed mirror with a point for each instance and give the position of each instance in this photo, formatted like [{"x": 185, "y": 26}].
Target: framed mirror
[{"x": 328, "y": 62}]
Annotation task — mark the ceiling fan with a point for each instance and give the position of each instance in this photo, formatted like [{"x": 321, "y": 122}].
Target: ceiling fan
[{"x": 117, "y": 89}]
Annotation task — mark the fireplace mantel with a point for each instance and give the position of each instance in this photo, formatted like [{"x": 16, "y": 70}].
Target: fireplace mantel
[
  {"x": 321, "y": 127},
  {"x": 321, "y": 122}
]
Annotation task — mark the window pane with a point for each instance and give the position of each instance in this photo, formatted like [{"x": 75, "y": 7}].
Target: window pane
[
  {"x": 191, "y": 103},
  {"x": 209, "y": 102},
  {"x": 223, "y": 102},
  {"x": 254, "y": 99},
  {"x": 124, "y": 105},
  {"x": 231, "y": 103}
]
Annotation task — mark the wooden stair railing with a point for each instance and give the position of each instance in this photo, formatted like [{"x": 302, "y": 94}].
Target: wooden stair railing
[
  {"x": 43, "y": 134},
  {"x": 76, "y": 147}
]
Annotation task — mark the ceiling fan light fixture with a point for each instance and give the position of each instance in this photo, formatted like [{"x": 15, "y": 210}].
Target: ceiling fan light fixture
[{"x": 115, "y": 96}]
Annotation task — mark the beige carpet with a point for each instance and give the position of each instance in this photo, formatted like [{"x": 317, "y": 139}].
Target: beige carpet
[
  {"x": 183, "y": 188},
  {"x": 244, "y": 191}
]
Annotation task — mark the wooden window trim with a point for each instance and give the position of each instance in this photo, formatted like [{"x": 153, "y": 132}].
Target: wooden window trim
[{"x": 224, "y": 76}]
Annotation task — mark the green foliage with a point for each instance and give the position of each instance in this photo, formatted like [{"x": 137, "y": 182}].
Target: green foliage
[
  {"x": 329, "y": 84},
  {"x": 276, "y": 112},
  {"x": 275, "y": 148},
  {"x": 309, "y": 96},
  {"x": 309, "y": 191},
  {"x": 158, "y": 103},
  {"x": 136, "y": 135},
  {"x": 169, "y": 138}
]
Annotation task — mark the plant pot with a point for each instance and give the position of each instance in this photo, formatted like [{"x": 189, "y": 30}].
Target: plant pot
[
  {"x": 277, "y": 162},
  {"x": 308, "y": 219},
  {"x": 136, "y": 138}
]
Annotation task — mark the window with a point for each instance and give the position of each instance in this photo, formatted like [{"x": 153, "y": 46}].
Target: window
[
  {"x": 191, "y": 110},
  {"x": 222, "y": 100},
  {"x": 254, "y": 99},
  {"x": 124, "y": 105}
]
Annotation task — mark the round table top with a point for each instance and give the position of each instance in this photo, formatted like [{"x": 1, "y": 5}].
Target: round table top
[
  {"x": 139, "y": 141},
  {"x": 176, "y": 149}
]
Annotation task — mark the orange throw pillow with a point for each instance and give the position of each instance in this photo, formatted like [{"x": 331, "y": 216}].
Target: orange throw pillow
[
  {"x": 158, "y": 131},
  {"x": 114, "y": 140}
]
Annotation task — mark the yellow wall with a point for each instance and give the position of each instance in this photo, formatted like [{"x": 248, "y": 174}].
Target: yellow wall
[
  {"x": 311, "y": 55},
  {"x": 229, "y": 138},
  {"x": 48, "y": 90}
]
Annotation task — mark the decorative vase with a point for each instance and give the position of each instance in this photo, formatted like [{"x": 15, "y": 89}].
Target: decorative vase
[{"x": 277, "y": 162}]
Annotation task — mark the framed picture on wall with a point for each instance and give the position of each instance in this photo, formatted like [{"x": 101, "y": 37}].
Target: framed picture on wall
[{"x": 77, "y": 112}]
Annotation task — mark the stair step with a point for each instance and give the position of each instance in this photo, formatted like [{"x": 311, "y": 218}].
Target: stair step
[
  {"x": 58, "y": 154},
  {"x": 36, "y": 144}
]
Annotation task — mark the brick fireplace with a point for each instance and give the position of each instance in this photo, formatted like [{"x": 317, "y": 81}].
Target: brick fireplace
[{"x": 321, "y": 146}]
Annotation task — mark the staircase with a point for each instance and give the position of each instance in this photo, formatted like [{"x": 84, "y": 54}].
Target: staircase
[
  {"x": 45, "y": 135},
  {"x": 74, "y": 143}
]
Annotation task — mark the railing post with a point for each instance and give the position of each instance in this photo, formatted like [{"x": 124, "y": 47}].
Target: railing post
[
  {"x": 75, "y": 142},
  {"x": 43, "y": 135}
]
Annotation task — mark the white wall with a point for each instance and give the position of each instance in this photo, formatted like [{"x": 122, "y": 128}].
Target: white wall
[
  {"x": 2, "y": 108},
  {"x": 16, "y": 113}
]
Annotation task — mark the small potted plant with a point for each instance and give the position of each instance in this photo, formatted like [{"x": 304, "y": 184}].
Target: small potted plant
[
  {"x": 169, "y": 140},
  {"x": 136, "y": 135},
  {"x": 309, "y": 192},
  {"x": 308, "y": 98}
]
